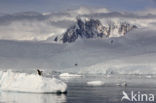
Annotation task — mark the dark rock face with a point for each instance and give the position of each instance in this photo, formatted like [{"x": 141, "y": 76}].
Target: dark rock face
[
  {"x": 70, "y": 35},
  {"x": 92, "y": 29},
  {"x": 125, "y": 27},
  {"x": 82, "y": 29}
]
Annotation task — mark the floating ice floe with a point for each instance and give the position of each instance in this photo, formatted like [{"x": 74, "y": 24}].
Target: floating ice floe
[
  {"x": 69, "y": 75},
  {"x": 123, "y": 84},
  {"x": 108, "y": 76},
  {"x": 149, "y": 76},
  {"x": 22, "y": 82},
  {"x": 95, "y": 83}
]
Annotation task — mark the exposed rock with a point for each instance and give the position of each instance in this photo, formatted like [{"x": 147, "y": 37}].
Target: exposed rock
[{"x": 93, "y": 28}]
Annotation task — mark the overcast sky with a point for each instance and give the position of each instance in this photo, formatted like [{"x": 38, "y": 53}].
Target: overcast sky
[{"x": 12, "y": 6}]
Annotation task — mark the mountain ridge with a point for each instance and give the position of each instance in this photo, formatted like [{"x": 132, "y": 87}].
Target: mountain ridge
[{"x": 93, "y": 28}]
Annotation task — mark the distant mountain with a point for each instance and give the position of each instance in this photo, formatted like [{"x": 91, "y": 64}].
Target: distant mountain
[{"x": 93, "y": 28}]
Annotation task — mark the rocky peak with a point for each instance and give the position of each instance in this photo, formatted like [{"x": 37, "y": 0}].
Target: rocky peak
[{"x": 93, "y": 28}]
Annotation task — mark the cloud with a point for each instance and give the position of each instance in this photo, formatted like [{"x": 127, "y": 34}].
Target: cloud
[
  {"x": 84, "y": 10},
  {"x": 40, "y": 26},
  {"x": 151, "y": 11}
]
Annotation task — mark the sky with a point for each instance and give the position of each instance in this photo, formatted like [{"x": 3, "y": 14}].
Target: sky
[
  {"x": 13, "y": 6},
  {"x": 35, "y": 20}
]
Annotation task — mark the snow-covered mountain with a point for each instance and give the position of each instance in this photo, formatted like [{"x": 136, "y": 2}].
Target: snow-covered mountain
[
  {"x": 100, "y": 46},
  {"x": 93, "y": 28},
  {"x": 133, "y": 53}
]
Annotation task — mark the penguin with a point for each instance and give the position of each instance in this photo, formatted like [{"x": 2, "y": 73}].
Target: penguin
[{"x": 39, "y": 72}]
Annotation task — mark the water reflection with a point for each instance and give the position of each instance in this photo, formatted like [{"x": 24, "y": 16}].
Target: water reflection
[{"x": 9, "y": 97}]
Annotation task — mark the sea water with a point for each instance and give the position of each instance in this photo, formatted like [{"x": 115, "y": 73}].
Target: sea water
[{"x": 80, "y": 92}]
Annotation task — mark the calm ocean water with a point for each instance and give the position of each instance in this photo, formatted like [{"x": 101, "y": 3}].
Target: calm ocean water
[{"x": 80, "y": 92}]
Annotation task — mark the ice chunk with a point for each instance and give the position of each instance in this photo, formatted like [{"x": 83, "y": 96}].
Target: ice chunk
[
  {"x": 108, "y": 76},
  {"x": 95, "y": 83},
  {"x": 69, "y": 75},
  {"x": 149, "y": 76},
  {"x": 22, "y": 82},
  {"x": 123, "y": 84}
]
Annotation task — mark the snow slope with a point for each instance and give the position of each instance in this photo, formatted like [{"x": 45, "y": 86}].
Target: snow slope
[{"x": 132, "y": 53}]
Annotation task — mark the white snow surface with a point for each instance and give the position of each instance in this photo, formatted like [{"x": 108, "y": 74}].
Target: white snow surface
[{"x": 22, "y": 82}]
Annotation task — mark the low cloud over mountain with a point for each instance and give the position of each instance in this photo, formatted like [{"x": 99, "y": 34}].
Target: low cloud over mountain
[{"x": 42, "y": 26}]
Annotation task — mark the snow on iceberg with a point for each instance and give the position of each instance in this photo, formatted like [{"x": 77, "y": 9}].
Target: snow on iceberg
[
  {"x": 95, "y": 83},
  {"x": 22, "y": 82}
]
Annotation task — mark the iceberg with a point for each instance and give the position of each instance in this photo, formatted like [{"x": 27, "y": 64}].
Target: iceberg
[{"x": 31, "y": 83}]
